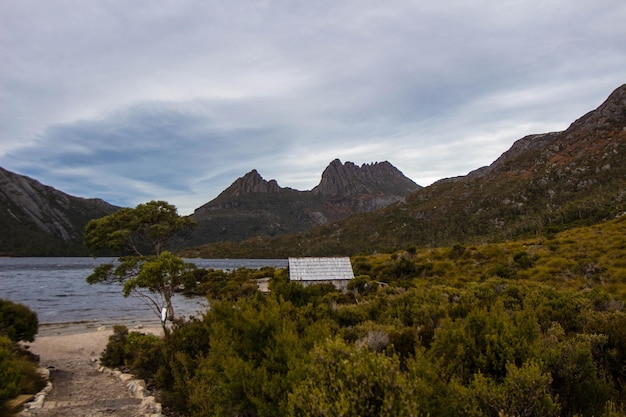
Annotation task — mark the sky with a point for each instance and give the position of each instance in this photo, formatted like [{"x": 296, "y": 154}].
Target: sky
[{"x": 132, "y": 101}]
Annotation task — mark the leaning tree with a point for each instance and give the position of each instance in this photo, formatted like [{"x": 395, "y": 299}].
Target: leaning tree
[{"x": 139, "y": 237}]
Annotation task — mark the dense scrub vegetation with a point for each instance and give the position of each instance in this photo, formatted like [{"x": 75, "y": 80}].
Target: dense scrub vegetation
[
  {"x": 18, "y": 374},
  {"x": 528, "y": 328}
]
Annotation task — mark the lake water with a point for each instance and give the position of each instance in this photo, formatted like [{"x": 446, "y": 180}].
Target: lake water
[{"x": 55, "y": 288}]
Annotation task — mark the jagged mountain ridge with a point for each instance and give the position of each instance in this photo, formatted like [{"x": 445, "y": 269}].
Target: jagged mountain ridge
[
  {"x": 253, "y": 206},
  {"x": 38, "y": 220},
  {"x": 542, "y": 184},
  {"x": 380, "y": 178}
]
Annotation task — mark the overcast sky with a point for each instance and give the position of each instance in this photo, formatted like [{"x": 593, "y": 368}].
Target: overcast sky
[{"x": 132, "y": 101}]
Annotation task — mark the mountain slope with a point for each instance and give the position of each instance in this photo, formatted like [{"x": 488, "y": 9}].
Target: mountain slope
[
  {"x": 252, "y": 206},
  {"x": 37, "y": 220},
  {"x": 542, "y": 184}
]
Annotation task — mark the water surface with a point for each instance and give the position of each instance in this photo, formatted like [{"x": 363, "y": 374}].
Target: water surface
[{"x": 55, "y": 288}]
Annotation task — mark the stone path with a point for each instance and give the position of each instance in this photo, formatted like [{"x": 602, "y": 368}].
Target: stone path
[{"x": 80, "y": 388}]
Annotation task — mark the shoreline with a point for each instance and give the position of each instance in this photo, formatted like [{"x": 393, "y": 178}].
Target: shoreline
[
  {"x": 70, "y": 343},
  {"x": 92, "y": 326}
]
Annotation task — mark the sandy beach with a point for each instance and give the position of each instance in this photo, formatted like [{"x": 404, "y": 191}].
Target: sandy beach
[
  {"x": 70, "y": 341},
  {"x": 64, "y": 329}
]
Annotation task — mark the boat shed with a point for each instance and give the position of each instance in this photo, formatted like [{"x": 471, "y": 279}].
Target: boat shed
[{"x": 310, "y": 271}]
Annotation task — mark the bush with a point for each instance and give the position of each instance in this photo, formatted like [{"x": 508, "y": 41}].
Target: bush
[
  {"x": 114, "y": 354},
  {"x": 139, "y": 352},
  {"x": 17, "y": 374},
  {"x": 17, "y": 321},
  {"x": 347, "y": 381}
]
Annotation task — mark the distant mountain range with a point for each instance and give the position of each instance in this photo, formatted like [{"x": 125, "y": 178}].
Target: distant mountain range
[
  {"x": 253, "y": 207},
  {"x": 544, "y": 183},
  {"x": 38, "y": 220}
]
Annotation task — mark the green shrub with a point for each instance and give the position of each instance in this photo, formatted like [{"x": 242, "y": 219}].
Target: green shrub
[
  {"x": 17, "y": 321},
  {"x": 114, "y": 353},
  {"x": 17, "y": 374},
  {"x": 139, "y": 352},
  {"x": 144, "y": 354},
  {"x": 346, "y": 381}
]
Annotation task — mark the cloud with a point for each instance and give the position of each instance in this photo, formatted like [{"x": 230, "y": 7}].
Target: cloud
[{"x": 175, "y": 100}]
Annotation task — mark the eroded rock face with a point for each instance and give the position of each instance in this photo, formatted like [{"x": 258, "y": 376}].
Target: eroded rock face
[
  {"x": 343, "y": 180},
  {"x": 609, "y": 115},
  {"x": 590, "y": 138},
  {"x": 252, "y": 182},
  {"x": 252, "y": 206},
  {"x": 39, "y": 204},
  {"x": 31, "y": 211}
]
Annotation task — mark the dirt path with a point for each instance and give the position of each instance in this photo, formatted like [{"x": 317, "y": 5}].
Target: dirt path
[{"x": 78, "y": 388}]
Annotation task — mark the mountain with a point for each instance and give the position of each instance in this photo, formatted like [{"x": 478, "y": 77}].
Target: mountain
[
  {"x": 253, "y": 206},
  {"x": 543, "y": 184},
  {"x": 37, "y": 220}
]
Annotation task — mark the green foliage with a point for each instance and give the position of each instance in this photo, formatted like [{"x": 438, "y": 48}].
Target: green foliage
[
  {"x": 255, "y": 347},
  {"x": 298, "y": 294},
  {"x": 230, "y": 285},
  {"x": 132, "y": 231},
  {"x": 133, "y": 350},
  {"x": 453, "y": 337},
  {"x": 152, "y": 277},
  {"x": 363, "y": 284},
  {"x": 114, "y": 354},
  {"x": 524, "y": 392},
  {"x": 482, "y": 342},
  {"x": 18, "y": 375},
  {"x": 579, "y": 380},
  {"x": 346, "y": 381},
  {"x": 17, "y": 321}
]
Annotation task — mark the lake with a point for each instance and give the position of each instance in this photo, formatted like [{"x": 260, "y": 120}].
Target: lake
[{"x": 55, "y": 288}]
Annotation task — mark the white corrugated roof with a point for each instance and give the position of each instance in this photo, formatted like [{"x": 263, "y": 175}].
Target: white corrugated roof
[{"x": 320, "y": 269}]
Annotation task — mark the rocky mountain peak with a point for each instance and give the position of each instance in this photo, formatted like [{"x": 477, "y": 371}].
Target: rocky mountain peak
[
  {"x": 609, "y": 115},
  {"x": 569, "y": 147},
  {"x": 252, "y": 182},
  {"x": 342, "y": 180},
  {"x": 252, "y": 206}
]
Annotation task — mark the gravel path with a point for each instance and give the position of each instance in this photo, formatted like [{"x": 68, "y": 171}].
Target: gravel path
[{"x": 78, "y": 388}]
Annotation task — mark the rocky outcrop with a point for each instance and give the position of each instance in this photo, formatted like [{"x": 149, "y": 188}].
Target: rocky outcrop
[
  {"x": 252, "y": 206},
  {"x": 608, "y": 116},
  {"x": 252, "y": 182},
  {"x": 571, "y": 145},
  {"x": 380, "y": 178},
  {"x": 39, "y": 220}
]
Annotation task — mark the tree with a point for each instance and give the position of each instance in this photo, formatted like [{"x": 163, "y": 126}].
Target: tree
[
  {"x": 146, "y": 228},
  {"x": 144, "y": 268}
]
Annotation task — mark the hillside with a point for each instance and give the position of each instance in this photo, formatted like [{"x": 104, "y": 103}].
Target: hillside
[
  {"x": 544, "y": 183},
  {"x": 38, "y": 220},
  {"x": 582, "y": 257},
  {"x": 522, "y": 328},
  {"x": 253, "y": 206}
]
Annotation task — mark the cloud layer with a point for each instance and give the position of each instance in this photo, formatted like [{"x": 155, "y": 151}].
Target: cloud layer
[{"x": 132, "y": 101}]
